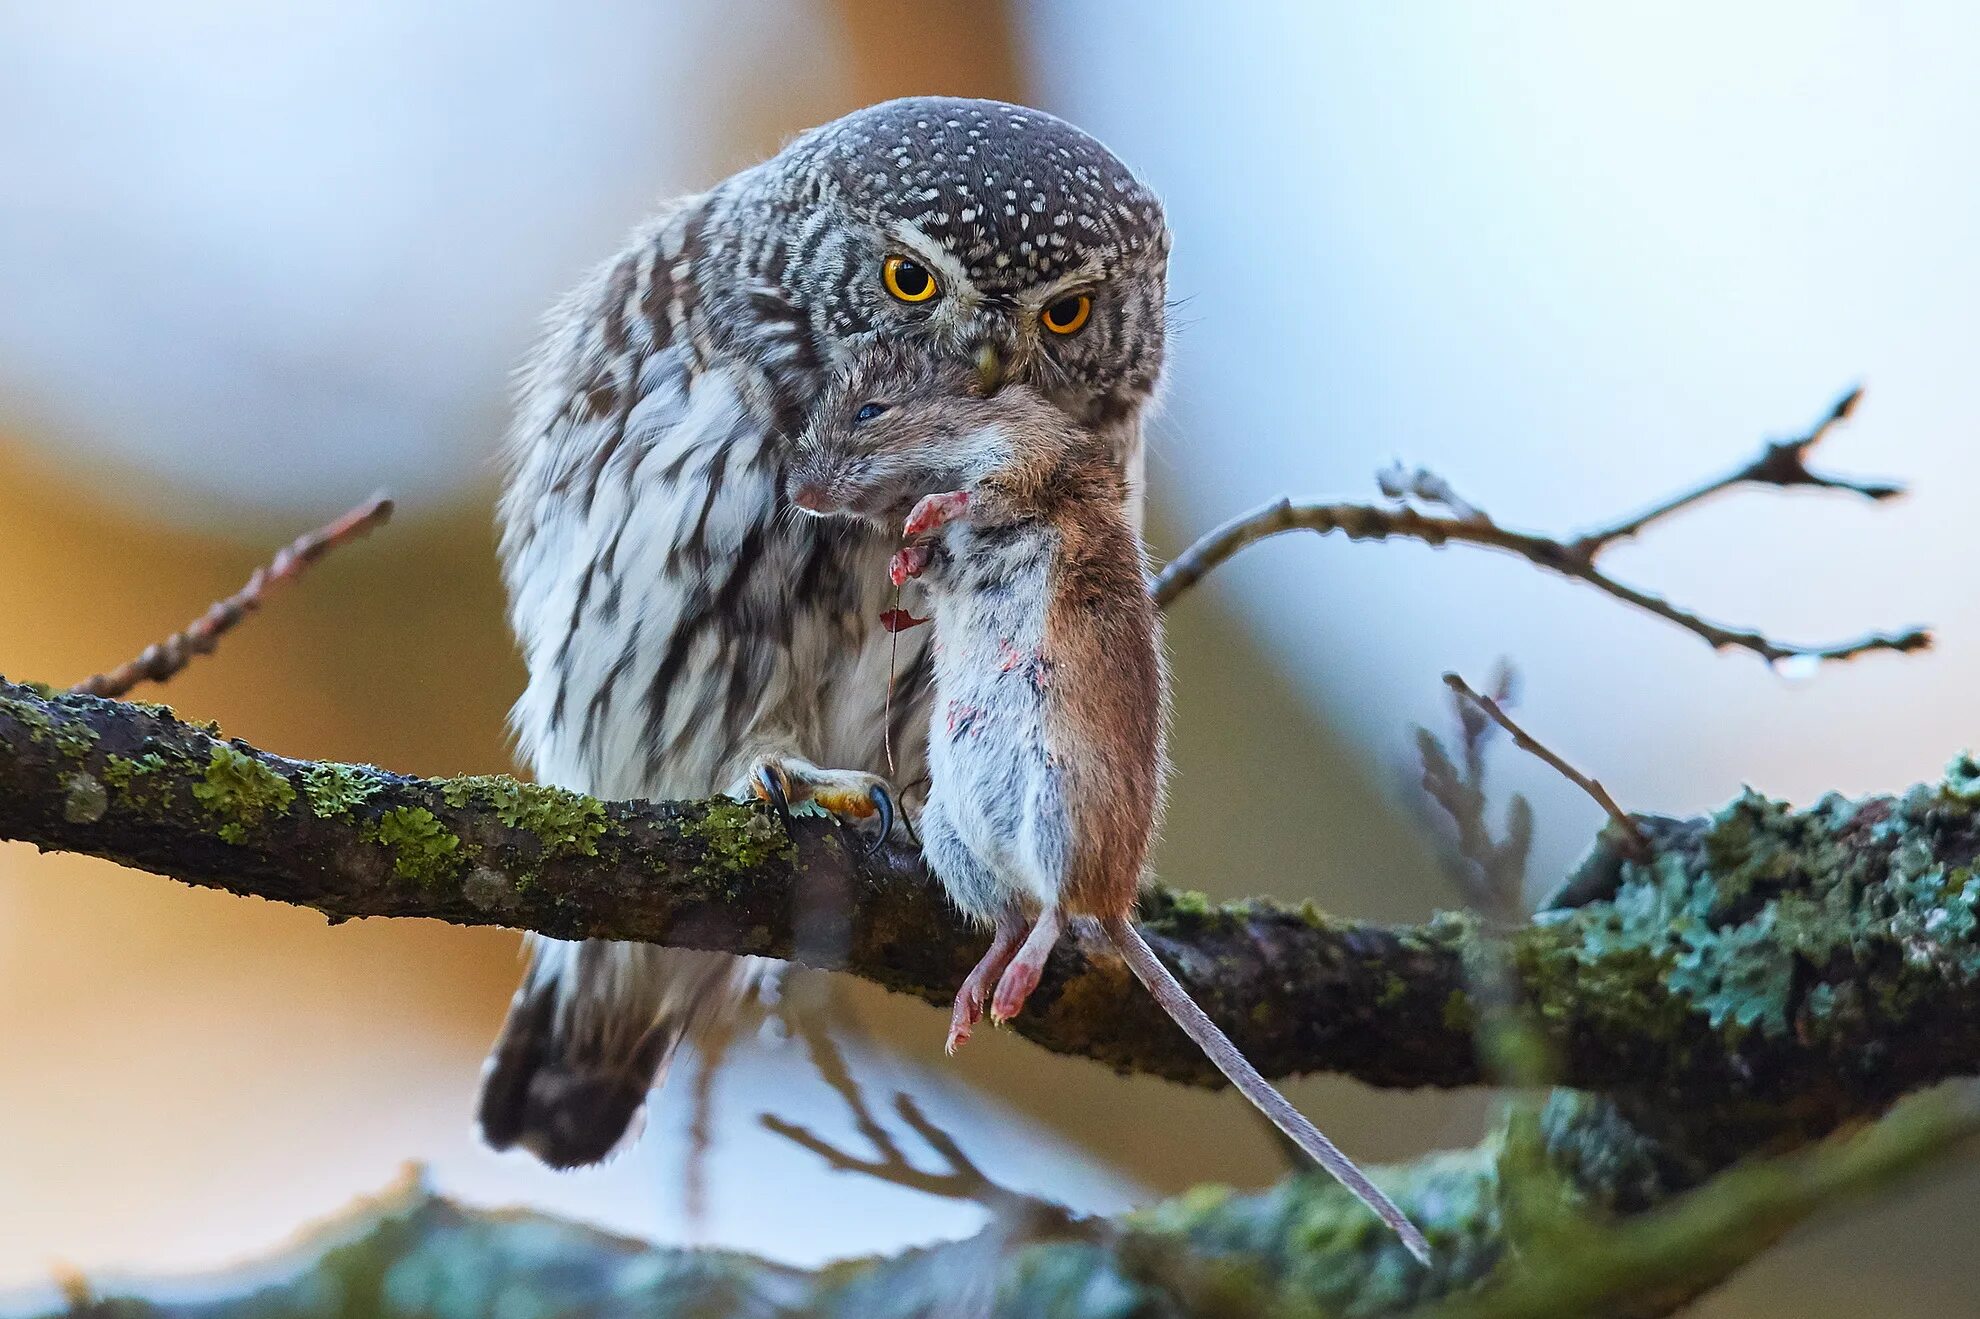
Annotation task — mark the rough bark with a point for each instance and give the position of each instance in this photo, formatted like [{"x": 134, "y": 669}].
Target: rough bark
[{"x": 1824, "y": 958}]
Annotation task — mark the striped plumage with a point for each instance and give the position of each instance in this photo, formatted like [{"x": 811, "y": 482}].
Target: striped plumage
[{"x": 680, "y": 627}]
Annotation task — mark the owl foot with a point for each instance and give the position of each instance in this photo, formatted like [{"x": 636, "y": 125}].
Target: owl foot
[
  {"x": 1021, "y": 976},
  {"x": 969, "y": 999},
  {"x": 850, "y": 796},
  {"x": 936, "y": 510}
]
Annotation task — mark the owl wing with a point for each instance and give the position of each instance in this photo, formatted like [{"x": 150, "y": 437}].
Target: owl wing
[{"x": 649, "y": 577}]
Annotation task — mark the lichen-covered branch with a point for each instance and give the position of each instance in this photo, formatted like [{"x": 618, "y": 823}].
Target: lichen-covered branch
[
  {"x": 1824, "y": 961},
  {"x": 1303, "y": 1248}
]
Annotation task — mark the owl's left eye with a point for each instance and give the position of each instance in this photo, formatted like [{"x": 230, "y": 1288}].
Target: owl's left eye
[
  {"x": 1067, "y": 314},
  {"x": 908, "y": 280}
]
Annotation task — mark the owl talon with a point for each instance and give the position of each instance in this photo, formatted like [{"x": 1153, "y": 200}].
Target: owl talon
[
  {"x": 852, "y": 797},
  {"x": 768, "y": 784},
  {"x": 883, "y": 803}
]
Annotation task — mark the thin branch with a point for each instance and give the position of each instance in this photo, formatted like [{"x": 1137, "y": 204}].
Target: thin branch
[
  {"x": 161, "y": 661},
  {"x": 1490, "y": 871},
  {"x": 1425, "y": 486},
  {"x": 1635, "y": 842},
  {"x": 960, "y": 1179},
  {"x": 1781, "y": 464},
  {"x": 713, "y": 1040}
]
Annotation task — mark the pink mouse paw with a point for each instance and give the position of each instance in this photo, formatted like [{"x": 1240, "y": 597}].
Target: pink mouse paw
[
  {"x": 936, "y": 510},
  {"x": 1019, "y": 979},
  {"x": 908, "y": 562}
]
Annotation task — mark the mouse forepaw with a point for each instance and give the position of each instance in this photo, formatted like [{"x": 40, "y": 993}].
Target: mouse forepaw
[
  {"x": 908, "y": 562},
  {"x": 935, "y": 511}
]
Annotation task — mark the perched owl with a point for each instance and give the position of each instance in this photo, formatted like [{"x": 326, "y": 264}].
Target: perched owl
[{"x": 685, "y": 635}]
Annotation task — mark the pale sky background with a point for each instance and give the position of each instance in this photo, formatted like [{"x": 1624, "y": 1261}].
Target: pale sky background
[{"x": 254, "y": 262}]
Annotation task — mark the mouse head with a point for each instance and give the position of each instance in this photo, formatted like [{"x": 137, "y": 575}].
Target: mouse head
[{"x": 898, "y": 424}]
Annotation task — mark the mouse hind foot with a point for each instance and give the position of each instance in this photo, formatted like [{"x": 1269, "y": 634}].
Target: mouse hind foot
[
  {"x": 1022, "y": 975},
  {"x": 1009, "y": 934}
]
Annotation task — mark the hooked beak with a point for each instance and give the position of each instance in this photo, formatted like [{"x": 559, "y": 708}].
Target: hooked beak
[{"x": 989, "y": 368}]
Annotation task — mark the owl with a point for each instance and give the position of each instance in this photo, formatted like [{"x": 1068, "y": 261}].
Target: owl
[{"x": 685, "y": 635}]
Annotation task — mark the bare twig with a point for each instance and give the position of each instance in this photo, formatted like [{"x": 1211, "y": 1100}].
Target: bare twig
[
  {"x": 1780, "y": 464},
  {"x": 1633, "y": 838},
  {"x": 711, "y": 1048},
  {"x": 1425, "y": 486},
  {"x": 161, "y": 661},
  {"x": 960, "y": 1179},
  {"x": 1490, "y": 871}
]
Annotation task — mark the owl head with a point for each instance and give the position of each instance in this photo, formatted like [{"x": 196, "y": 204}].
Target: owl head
[{"x": 976, "y": 231}]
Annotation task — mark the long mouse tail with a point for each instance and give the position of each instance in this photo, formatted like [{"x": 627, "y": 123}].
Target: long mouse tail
[{"x": 1217, "y": 1047}]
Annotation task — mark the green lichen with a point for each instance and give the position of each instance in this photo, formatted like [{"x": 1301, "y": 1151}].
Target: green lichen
[
  {"x": 241, "y": 792},
  {"x": 566, "y": 823},
  {"x": 1457, "y": 1015},
  {"x": 1961, "y": 781},
  {"x": 423, "y": 849},
  {"x": 29, "y": 716},
  {"x": 1737, "y": 975},
  {"x": 1776, "y": 915},
  {"x": 335, "y": 790},
  {"x": 74, "y": 738},
  {"x": 83, "y": 799},
  {"x": 122, "y": 773},
  {"x": 737, "y": 839},
  {"x": 1189, "y": 903}
]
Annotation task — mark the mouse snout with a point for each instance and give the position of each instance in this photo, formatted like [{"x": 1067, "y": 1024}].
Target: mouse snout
[
  {"x": 814, "y": 482},
  {"x": 813, "y": 496}
]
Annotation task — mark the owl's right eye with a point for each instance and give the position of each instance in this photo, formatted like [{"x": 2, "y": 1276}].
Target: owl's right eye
[
  {"x": 868, "y": 412},
  {"x": 908, "y": 280}
]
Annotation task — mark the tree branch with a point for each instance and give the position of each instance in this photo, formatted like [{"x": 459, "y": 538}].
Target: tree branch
[
  {"x": 1780, "y": 464},
  {"x": 1302, "y": 1248},
  {"x": 1825, "y": 960},
  {"x": 161, "y": 661},
  {"x": 1637, "y": 845}
]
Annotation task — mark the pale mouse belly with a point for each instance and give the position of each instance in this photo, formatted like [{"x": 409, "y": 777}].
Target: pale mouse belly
[{"x": 988, "y": 760}]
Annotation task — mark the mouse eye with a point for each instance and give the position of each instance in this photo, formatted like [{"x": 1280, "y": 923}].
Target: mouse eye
[
  {"x": 908, "y": 280},
  {"x": 868, "y": 412},
  {"x": 1067, "y": 314}
]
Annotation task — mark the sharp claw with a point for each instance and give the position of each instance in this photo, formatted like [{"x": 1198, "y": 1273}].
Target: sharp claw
[
  {"x": 771, "y": 784},
  {"x": 883, "y": 802}
]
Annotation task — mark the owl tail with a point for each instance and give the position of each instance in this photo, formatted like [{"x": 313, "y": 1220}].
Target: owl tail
[{"x": 591, "y": 1031}]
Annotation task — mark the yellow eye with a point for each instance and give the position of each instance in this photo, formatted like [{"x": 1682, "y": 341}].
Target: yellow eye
[
  {"x": 908, "y": 280},
  {"x": 1067, "y": 314}
]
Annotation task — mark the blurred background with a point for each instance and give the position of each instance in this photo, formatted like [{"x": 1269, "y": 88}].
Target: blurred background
[{"x": 256, "y": 261}]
